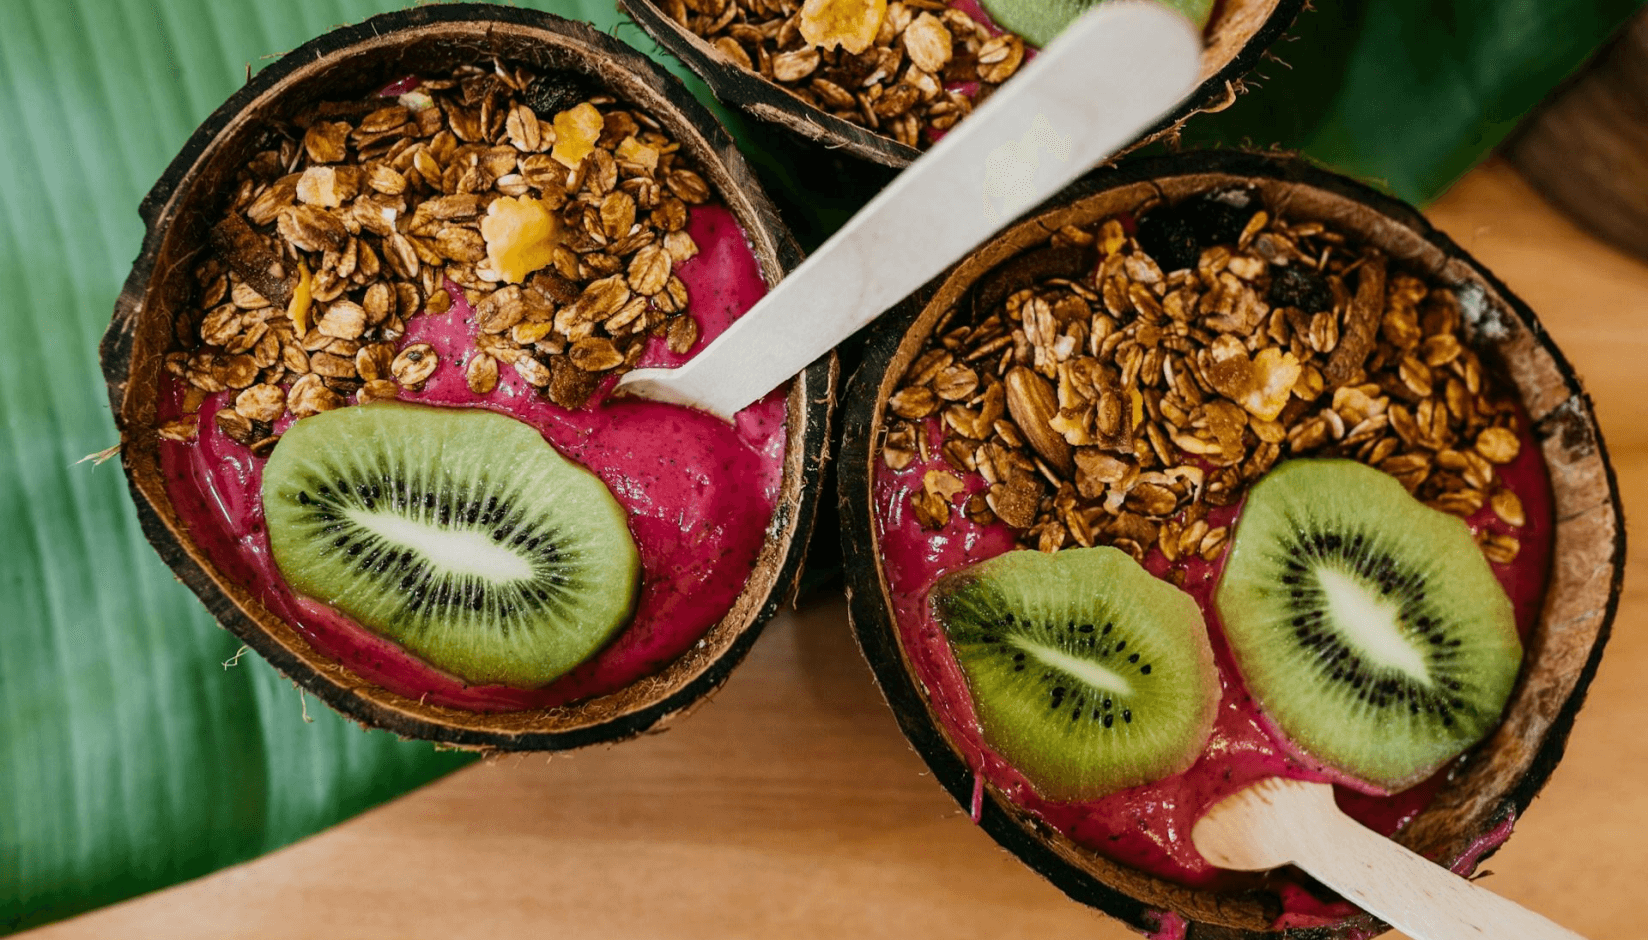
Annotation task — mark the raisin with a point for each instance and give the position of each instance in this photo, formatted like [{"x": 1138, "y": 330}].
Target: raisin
[
  {"x": 1175, "y": 236},
  {"x": 1299, "y": 286},
  {"x": 556, "y": 92},
  {"x": 1220, "y": 216},
  {"x": 1169, "y": 238}
]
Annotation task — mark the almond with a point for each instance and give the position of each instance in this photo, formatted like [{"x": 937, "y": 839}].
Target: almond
[{"x": 1033, "y": 404}]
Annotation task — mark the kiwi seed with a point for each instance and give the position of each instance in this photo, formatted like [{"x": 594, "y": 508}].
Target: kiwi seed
[
  {"x": 460, "y": 534},
  {"x": 1368, "y": 626},
  {"x": 1088, "y": 674}
]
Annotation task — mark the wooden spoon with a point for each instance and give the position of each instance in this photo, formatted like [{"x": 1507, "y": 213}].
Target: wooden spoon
[
  {"x": 1101, "y": 83},
  {"x": 1278, "y": 822}
]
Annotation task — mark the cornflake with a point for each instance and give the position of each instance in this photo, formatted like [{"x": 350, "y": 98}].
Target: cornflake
[
  {"x": 520, "y": 234},
  {"x": 850, "y": 24},
  {"x": 576, "y": 131}
]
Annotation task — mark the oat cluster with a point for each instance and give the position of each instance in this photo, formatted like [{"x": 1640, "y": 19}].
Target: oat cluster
[
  {"x": 901, "y": 69},
  {"x": 558, "y": 212},
  {"x": 1108, "y": 402}
]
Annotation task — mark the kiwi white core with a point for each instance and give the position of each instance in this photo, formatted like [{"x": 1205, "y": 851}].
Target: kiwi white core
[
  {"x": 1088, "y": 674},
  {"x": 1091, "y": 673},
  {"x": 1371, "y": 624},
  {"x": 459, "y": 552}
]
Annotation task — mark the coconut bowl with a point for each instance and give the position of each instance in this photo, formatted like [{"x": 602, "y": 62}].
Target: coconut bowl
[
  {"x": 193, "y": 192},
  {"x": 1484, "y": 792},
  {"x": 1236, "y": 38}
]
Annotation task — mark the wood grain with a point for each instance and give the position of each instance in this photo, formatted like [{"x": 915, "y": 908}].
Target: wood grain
[
  {"x": 789, "y": 806},
  {"x": 1586, "y": 149}
]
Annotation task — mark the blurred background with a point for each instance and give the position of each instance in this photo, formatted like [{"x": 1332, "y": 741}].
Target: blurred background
[{"x": 139, "y": 750}]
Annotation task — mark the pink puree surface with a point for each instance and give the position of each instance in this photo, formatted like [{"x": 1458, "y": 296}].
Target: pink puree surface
[
  {"x": 1148, "y": 827},
  {"x": 699, "y": 493}
]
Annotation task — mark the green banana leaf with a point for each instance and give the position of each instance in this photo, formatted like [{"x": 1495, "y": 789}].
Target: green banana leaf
[
  {"x": 137, "y": 749},
  {"x": 1410, "y": 94}
]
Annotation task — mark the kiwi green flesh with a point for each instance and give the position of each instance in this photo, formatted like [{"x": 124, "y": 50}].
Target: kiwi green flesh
[
  {"x": 1368, "y": 627},
  {"x": 460, "y": 534},
  {"x": 1087, "y": 674},
  {"x": 1038, "y": 21}
]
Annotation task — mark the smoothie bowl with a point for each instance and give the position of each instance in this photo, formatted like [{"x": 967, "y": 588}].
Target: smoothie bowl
[
  {"x": 884, "y": 80},
  {"x": 362, "y": 366},
  {"x": 1221, "y": 467}
]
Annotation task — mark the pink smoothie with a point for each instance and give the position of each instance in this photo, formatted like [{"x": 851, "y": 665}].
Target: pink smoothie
[
  {"x": 1148, "y": 827},
  {"x": 699, "y": 493}
]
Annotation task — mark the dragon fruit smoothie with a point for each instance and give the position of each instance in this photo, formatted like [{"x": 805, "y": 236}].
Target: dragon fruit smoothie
[
  {"x": 1148, "y": 826},
  {"x": 699, "y": 493}
]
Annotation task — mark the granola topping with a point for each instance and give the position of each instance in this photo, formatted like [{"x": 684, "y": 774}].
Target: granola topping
[
  {"x": 904, "y": 69},
  {"x": 1118, "y": 406},
  {"x": 562, "y": 230}
]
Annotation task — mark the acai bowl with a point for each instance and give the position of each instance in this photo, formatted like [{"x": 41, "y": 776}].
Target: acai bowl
[
  {"x": 1127, "y": 384},
  {"x": 884, "y": 80},
  {"x": 427, "y": 242}
]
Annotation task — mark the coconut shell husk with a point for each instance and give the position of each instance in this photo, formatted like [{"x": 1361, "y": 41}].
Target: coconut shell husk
[
  {"x": 189, "y": 198},
  {"x": 1237, "y": 36},
  {"x": 1499, "y": 778}
]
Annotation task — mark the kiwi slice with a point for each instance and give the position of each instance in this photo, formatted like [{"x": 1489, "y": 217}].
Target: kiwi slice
[
  {"x": 1038, "y": 21},
  {"x": 1367, "y": 625},
  {"x": 1088, "y": 674},
  {"x": 458, "y": 533}
]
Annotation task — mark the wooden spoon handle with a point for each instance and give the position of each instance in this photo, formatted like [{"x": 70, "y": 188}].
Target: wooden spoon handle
[
  {"x": 1411, "y": 893},
  {"x": 1276, "y": 822},
  {"x": 1107, "y": 78}
]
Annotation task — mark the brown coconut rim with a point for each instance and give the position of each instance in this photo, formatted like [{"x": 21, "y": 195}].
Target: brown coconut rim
[
  {"x": 348, "y": 62},
  {"x": 1494, "y": 781},
  {"x": 1238, "y": 34}
]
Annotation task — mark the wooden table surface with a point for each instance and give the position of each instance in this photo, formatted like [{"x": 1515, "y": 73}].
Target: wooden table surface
[{"x": 789, "y": 806}]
